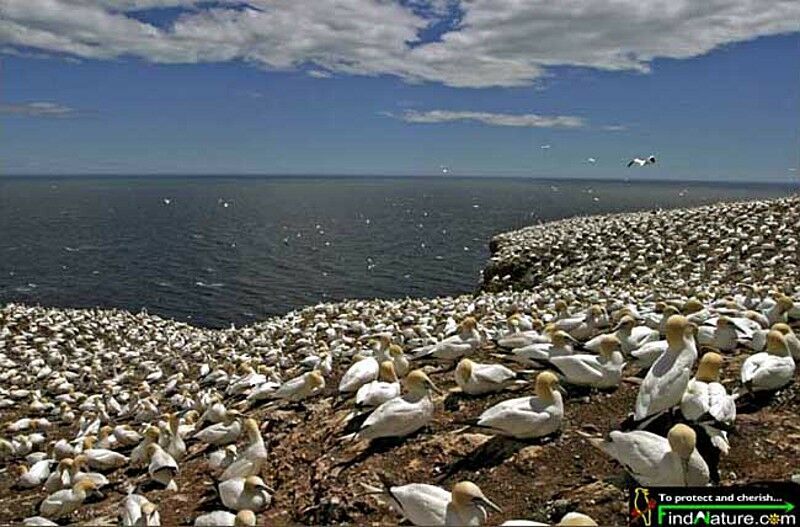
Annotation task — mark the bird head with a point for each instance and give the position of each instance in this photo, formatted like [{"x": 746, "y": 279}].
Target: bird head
[
  {"x": 315, "y": 380},
  {"x": 608, "y": 344},
  {"x": 464, "y": 369},
  {"x": 395, "y": 351},
  {"x": 245, "y": 518},
  {"x": 386, "y": 371},
  {"x": 418, "y": 381},
  {"x": 692, "y": 305},
  {"x": 682, "y": 440},
  {"x": 776, "y": 343},
  {"x": 708, "y": 370},
  {"x": 546, "y": 383},
  {"x": 678, "y": 327},
  {"x": 466, "y": 493}
]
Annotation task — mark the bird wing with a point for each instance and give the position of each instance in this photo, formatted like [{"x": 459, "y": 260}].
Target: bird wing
[
  {"x": 660, "y": 391},
  {"x": 579, "y": 368},
  {"x": 722, "y": 407},
  {"x": 492, "y": 373}
]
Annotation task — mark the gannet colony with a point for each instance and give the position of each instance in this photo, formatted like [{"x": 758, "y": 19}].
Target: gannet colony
[{"x": 656, "y": 346}]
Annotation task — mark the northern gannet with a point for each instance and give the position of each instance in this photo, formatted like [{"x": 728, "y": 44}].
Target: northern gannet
[
  {"x": 771, "y": 369},
  {"x": 603, "y": 371},
  {"x": 248, "y": 493},
  {"x": 475, "y": 379},
  {"x": 402, "y": 416},
  {"x": 705, "y": 395},
  {"x": 528, "y": 417},
  {"x": 226, "y": 519},
  {"x": 639, "y": 162},
  {"x": 66, "y": 501},
  {"x": 656, "y": 461},
  {"x": 666, "y": 381},
  {"x": 429, "y": 505}
]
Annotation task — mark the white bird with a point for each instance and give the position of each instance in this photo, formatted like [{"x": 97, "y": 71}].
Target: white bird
[
  {"x": 66, "y": 501},
  {"x": 603, "y": 371},
  {"x": 362, "y": 371},
  {"x": 162, "y": 467},
  {"x": 377, "y": 392},
  {"x": 248, "y": 493},
  {"x": 475, "y": 379},
  {"x": 252, "y": 458},
  {"x": 792, "y": 342},
  {"x": 226, "y": 519},
  {"x": 560, "y": 346},
  {"x": 655, "y": 461},
  {"x": 35, "y": 476},
  {"x": 429, "y": 505},
  {"x": 650, "y": 160},
  {"x": 573, "y": 519},
  {"x": 466, "y": 342},
  {"x": 771, "y": 369},
  {"x": 528, "y": 417},
  {"x": 102, "y": 458},
  {"x": 401, "y": 416},
  {"x": 221, "y": 434},
  {"x": 722, "y": 335},
  {"x": 301, "y": 387},
  {"x": 138, "y": 511},
  {"x": 705, "y": 395},
  {"x": 666, "y": 381},
  {"x": 222, "y": 458}
]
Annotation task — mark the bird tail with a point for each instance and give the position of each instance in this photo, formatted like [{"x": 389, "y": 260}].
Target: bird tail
[{"x": 422, "y": 352}]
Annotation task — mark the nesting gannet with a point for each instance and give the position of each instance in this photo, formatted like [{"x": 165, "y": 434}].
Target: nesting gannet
[
  {"x": 401, "y": 363},
  {"x": 139, "y": 452},
  {"x": 705, "y": 395},
  {"x": 722, "y": 335},
  {"x": 666, "y": 381},
  {"x": 66, "y": 501},
  {"x": 631, "y": 336},
  {"x": 35, "y": 476},
  {"x": 221, "y": 434},
  {"x": 401, "y": 416},
  {"x": 137, "y": 511},
  {"x": 222, "y": 458},
  {"x": 639, "y": 162},
  {"x": 362, "y": 371},
  {"x": 560, "y": 346},
  {"x": 656, "y": 461},
  {"x": 575, "y": 519},
  {"x": 101, "y": 458},
  {"x": 429, "y": 505},
  {"x": 792, "y": 342},
  {"x": 603, "y": 371},
  {"x": 771, "y": 369},
  {"x": 77, "y": 474},
  {"x": 61, "y": 477},
  {"x": 252, "y": 458},
  {"x": 226, "y": 519},
  {"x": 248, "y": 493},
  {"x": 528, "y": 417},
  {"x": 465, "y": 342},
  {"x": 379, "y": 391},
  {"x": 475, "y": 379},
  {"x": 171, "y": 441},
  {"x": 301, "y": 387},
  {"x": 162, "y": 467}
]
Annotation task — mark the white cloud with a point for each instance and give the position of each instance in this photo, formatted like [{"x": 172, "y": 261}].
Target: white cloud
[
  {"x": 38, "y": 109},
  {"x": 528, "y": 120},
  {"x": 495, "y": 43}
]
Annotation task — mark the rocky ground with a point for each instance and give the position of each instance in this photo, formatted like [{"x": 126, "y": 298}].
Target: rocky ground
[{"x": 318, "y": 478}]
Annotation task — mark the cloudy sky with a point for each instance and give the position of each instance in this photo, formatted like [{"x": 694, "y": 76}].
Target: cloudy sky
[{"x": 483, "y": 87}]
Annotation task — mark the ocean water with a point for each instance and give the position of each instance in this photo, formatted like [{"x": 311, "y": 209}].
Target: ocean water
[{"x": 222, "y": 250}]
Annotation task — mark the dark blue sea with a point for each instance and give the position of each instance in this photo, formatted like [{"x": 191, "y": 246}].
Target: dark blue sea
[{"x": 222, "y": 250}]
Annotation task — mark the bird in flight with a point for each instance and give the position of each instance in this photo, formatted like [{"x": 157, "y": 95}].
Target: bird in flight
[{"x": 642, "y": 162}]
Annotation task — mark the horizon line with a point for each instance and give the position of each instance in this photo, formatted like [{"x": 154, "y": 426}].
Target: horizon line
[{"x": 154, "y": 175}]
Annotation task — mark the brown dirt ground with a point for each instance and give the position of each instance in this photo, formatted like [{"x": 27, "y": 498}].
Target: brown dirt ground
[{"x": 317, "y": 478}]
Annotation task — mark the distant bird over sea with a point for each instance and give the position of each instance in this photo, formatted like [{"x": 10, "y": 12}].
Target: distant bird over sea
[
  {"x": 591, "y": 160},
  {"x": 167, "y": 201},
  {"x": 642, "y": 162},
  {"x": 545, "y": 147},
  {"x": 445, "y": 170}
]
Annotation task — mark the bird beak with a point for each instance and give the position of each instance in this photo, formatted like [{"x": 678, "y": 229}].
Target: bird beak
[
  {"x": 561, "y": 389},
  {"x": 490, "y": 504},
  {"x": 435, "y": 388}
]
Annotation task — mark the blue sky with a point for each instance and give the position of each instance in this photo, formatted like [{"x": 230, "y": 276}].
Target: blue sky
[{"x": 407, "y": 88}]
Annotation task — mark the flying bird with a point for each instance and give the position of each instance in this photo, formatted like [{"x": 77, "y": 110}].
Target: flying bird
[
  {"x": 642, "y": 162},
  {"x": 592, "y": 160}
]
